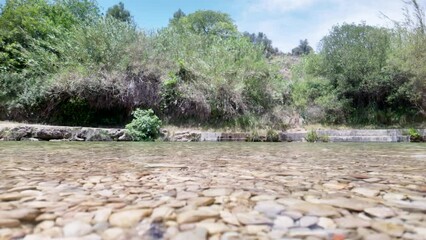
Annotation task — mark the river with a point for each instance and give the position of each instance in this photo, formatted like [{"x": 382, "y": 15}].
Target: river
[{"x": 221, "y": 190}]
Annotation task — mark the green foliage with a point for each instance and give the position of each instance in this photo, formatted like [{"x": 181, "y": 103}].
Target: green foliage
[
  {"x": 206, "y": 22},
  {"x": 33, "y": 34},
  {"x": 67, "y": 64},
  {"x": 263, "y": 41},
  {"x": 104, "y": 44},
  {"x": 314, "y": 95},
  {"x": 177, "y": 16},
  {"x": 354, "y": 79},
  {"x": 170, "y": 93},
  {"x": 119, "y": 13},
  {"x": 31, "y": 31},
  {"x": 312, "y": 136},
  {"x": 414, "y": 135},
  {"x": 145, "y": 126},
  {"x": 302, "y": 49},
  {"x": 408, "y": 58},
  {"x": 241, "y": 83},
  {"x": 272, "y": 136},
  {"x": 62, "y": 61}
]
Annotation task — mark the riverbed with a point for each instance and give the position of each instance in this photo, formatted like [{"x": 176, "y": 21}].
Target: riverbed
[{"x": 195, "y": 191}]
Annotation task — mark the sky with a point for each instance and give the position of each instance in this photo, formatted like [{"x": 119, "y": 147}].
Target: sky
[{"x": 285, "y": 22}]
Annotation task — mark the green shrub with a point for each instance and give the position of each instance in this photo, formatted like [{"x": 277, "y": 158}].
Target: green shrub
[
  {"x": 414, "y": 135},
  {"x": 145, "y": 126},
  {"x": 312, "y": 136},
  {"x": 272, "y": 136},
  {"x": 242, "y": 83}
]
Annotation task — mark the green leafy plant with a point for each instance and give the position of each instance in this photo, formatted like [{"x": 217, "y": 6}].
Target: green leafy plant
[
  {"x": 272, "y": 136},
  {"x": 414, "y": 135},
  {"x": 145, "y": 126},
  {"x": 312, "y": 136}
]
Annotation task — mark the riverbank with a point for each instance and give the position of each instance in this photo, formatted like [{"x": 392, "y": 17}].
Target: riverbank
[{"x": 33, "y": 132}]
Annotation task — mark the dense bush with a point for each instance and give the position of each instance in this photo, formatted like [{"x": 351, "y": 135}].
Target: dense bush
[
  {"x": 145, "y": 125},
  {"x": 215, "y": 77},
  {"x": 62, "y": 62},
  {"x": 366, "y": 75},
  {"x": 74, "y": 66},
  {"x": 408, "y": 58},
  {"x": 414, "y": 135},
  {"x": 356, "y": 79}
]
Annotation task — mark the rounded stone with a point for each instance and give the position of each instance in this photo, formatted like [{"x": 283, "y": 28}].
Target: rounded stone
[
  {"x": 113, "y": 234},
  {"x": 195, "y": 234},
  {"x": 283, "y": 222},
  {"x": 128, "y": 218},
  {"x": 389, "y": 228},
  {"x": 326, "y": 223},
  {"x": 308, "y": 221},
  {"x": 9, "y": 223},
  {"x": 76, "y": 229},
  {"x": 380, "y": 212},
  {"x": 379, "y": 236},
  {"x": 269, "y": 208}
]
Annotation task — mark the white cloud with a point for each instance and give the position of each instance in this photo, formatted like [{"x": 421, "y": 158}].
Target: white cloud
[
  {"x": 286, "y": 22},
  {"x": 280, "y": 5}
]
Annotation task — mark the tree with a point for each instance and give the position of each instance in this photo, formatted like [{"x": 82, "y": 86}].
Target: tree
[
  {"x": 263, "y": 40},
  {"x": 207, "y": 23},
  {"x": 302, "y": 49},
  {"x": 177, "y": 16},
  {"x": 83, "y": 11},
  {"x": 33, "y": 35},
  {"x": 408, "y": 55},
  {"x": 120, "y": 13},
  {"x": 31, "y": 30},
  {"x": 355, "y": 59}
]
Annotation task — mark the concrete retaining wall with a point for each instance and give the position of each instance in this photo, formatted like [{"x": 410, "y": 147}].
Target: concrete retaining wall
[
  {"x": 355, "y": 135},
  {"x": 59, "y": 133}
]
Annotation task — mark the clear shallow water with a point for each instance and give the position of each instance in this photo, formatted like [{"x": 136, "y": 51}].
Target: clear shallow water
[
  {"x": 148, "y": 152},
  {"x": 60, "y": 160},
  {"x": 77, "y": 179}
]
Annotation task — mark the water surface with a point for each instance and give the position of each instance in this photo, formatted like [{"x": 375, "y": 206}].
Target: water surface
[{"x": 69, "y": 180}]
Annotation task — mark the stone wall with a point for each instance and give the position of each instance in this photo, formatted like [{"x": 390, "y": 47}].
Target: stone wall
[
  {"x": 354, "y": 135},
  {"x": 59, "y": 133},
  {"x": 51, "y": 133},
  {"x": 199, "y": 136}
]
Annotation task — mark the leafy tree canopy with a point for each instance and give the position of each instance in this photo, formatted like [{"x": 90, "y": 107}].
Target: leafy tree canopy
[
  {"x": 120, "y": 13},
  {"x": 177, "y": 16},
  {"x": 302, "y": 49},
  {"x": 354, "y": 56},
  {"x": 263, "y": 40},
  {"x": 30, "y": 30},
  {"x": 207, "y": 23}
]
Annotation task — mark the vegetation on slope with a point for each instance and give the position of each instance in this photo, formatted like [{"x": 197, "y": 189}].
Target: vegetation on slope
[
  {"x": 366, "y": 75},
  {"x": 63, "y": 62}
]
